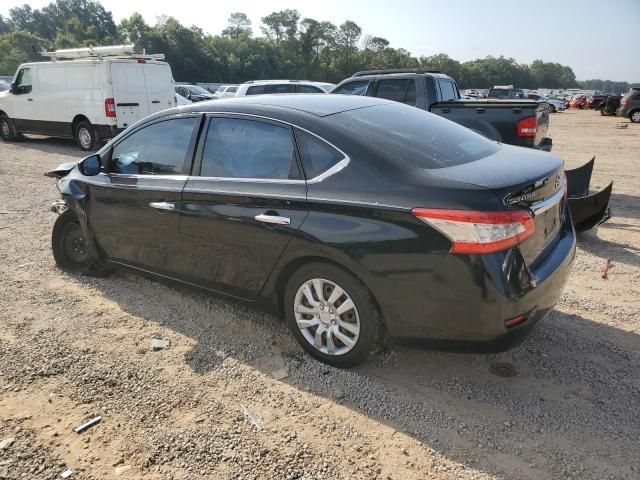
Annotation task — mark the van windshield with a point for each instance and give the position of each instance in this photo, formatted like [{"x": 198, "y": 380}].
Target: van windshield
[{"x": 407, "y": 134}]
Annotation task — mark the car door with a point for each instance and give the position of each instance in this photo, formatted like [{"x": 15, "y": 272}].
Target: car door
[
  {"x": 133, "y": 207},
  {"x": 241, "y": 207},
  {"x": 22, "y": 101}
]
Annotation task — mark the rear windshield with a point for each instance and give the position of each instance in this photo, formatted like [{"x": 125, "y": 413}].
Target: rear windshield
[{"x": 411, "y": 135}]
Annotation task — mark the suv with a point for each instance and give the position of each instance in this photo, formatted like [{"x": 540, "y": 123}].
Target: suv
[
  {"x": 630, "y": 105},
  {"x": 259, "y": 87},
  {"x": 227, "y": 91}
]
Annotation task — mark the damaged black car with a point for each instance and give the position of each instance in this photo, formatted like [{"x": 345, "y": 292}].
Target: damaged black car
[{"x": 354, "y": 218}]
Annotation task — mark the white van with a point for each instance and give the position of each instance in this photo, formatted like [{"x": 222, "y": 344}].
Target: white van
[{"x": 90, "y": 96}]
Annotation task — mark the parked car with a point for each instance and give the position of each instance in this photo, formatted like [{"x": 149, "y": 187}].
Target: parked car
[
  {"x": 578, "y": 101},
  {"x": 194, "y": 93},
  {"x": 4, "y": 86},
  {"x": 506, "y": 92},
  {"x": 180, "y": 100},
  {"x": 277, "y": 202},
  {"x": 553, "y": 104},
  {"x": 630, "y": 105},
  {"x": 611, "y": 105},
  {"x": 261, "y": 87},
  {"x": 516, "y": 122},
  {"x": 91, "y": 96},
  {"x": 594, "y": 102},
  {"x": 224, "y": 91}
]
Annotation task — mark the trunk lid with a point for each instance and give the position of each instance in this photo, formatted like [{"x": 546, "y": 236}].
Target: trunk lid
[{"x": 522, "y": 178}]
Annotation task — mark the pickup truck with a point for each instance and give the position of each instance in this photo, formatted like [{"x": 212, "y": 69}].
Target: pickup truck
[{"x": 516, "y": 122}]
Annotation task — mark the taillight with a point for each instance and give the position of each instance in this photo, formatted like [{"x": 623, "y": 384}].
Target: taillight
[
  {"x": 110, "y": 107},
  {"x": 623, "y": 102},
  {"x": 479, "y": 232},
  {"x": 527, "y": 127},
  {"x": 142, "y": 60}
]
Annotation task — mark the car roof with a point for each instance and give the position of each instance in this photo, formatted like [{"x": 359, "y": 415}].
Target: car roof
[
  {"x": 396, "y": 75},
  {"x": 268, "y": 82},
  {"x": 314, "y": 104}
]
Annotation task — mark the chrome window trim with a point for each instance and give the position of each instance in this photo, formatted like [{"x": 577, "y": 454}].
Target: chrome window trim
[{"x": 318, "y": 178}]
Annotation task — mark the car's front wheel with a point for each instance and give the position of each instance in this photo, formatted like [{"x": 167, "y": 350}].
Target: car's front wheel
[
  {"x": 552, "y": 108},
  {"x": 635, "y": 116},
  {"x": 331, "y": 314},
  {"x": 71, "y": 247}
]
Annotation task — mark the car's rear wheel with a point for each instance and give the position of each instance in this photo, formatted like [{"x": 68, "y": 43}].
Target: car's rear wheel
[
  {"x": 86, "y": 137},
  {"x": 552, "y": 108},
  {"x": 635, "y": 116},
  {"x": 7, "y": 130},
  {"x": 331, "y": 314},
  {"x": 71, "y": 248}
]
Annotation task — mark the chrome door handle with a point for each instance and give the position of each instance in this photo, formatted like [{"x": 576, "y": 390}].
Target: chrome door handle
[
  {"x": 163, "y": 205},
  {"x": 274, "y": 219}
]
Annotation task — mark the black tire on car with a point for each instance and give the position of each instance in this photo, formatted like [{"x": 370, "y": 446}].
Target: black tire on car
[
  {"x": 635, "y": 116},
  {"x": 7, "y": 129},
  {"x": 85, "y": 135},
  {"x": 70, "y": 247},
  {"x": 552, "y": 108},
  {"x": 350, "y": 323}
]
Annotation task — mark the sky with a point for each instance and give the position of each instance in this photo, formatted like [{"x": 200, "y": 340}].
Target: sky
[{"x": 597, "y": 38}]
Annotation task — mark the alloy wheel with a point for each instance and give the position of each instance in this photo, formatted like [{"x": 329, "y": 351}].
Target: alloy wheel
[
  {"x": 635, "y": 117},
  {"x": 327, "y": 316}
]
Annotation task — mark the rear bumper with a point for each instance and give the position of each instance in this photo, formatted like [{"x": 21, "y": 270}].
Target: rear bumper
[
  {"x": 106, "y": 132},
  {"x": 466, "y": 299}
]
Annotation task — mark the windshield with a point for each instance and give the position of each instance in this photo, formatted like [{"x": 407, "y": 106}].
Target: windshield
[
  {"x": 408, "y": 134},
  {"x": 194, "y": 89}
]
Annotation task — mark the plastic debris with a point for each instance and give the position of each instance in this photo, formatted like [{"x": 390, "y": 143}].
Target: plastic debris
[
  {"x": 280, "y": 373},
  {"x": 252, "y": 417},
  {"x": 159, "y": 343},
  {"x": 67, "y": 473},
  {"x": 6, "y": 443},
  {"x": 88, "y": 424},
  {"x": 123, "y": 469},
  {"x": 605, "y": 268}
]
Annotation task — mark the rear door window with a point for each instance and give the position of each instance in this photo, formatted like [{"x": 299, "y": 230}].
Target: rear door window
[
  {"x": 353, "y": 88},
  {"x": 317, "y": 155},
  {"x": 257, "y": 90},
  {"x": 448, "y": 91},
  {"x": 241, "y": 148},
  {"x": 158, "y": 149},
  {"x": 309, "y": 89},
  {"x": 398, "y": 90},
  {"x": 282, "y": 88}
]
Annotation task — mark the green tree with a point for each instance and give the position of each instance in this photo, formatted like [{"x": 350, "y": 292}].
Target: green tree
[{"x": 238, "y": 26}]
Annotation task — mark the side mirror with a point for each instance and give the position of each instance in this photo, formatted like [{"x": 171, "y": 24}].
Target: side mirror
[
  {"x": 91, "y": 165},
  {"x": 13, "y": 88}
]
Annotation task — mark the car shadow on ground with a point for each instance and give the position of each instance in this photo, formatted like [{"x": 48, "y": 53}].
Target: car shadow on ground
[
  {"x": 503, "y": 414},
  {"x": 624, "y": 206}
]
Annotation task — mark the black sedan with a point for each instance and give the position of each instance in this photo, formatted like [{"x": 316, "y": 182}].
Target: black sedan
[{"x": 352, "y": 217}]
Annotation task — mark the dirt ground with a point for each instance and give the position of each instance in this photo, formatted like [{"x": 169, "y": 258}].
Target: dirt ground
[{"x": 564, "y": 404}]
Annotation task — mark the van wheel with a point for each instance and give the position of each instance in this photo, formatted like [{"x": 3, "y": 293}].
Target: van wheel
[
  {"x": 7, "y": 130},
  {"x": 86, "y": 135},
  {"x": 331, "y": 315}
]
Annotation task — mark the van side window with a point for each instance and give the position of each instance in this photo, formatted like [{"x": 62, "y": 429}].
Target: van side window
[
  {"x": 23, "y": 81},
  {"x": 158, "y": 149}
]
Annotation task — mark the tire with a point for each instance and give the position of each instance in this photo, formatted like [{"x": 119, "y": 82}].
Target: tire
[
  {"x": 70, "y": 249},
  {"x": 85, "y": 136},
  {"x": 602, "y": 112},
  {"x": 552, "y": 108},
  {"x": 635, "y": 116},
  {"x": 351, "y": 345},
  {"x": 7, "y": 129}
]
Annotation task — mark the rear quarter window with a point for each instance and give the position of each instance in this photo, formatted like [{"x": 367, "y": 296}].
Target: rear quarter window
[{"x": 406, "y": 135}]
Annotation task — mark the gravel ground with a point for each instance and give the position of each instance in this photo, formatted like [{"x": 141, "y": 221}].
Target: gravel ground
[{"x": 564, "y": 404}]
